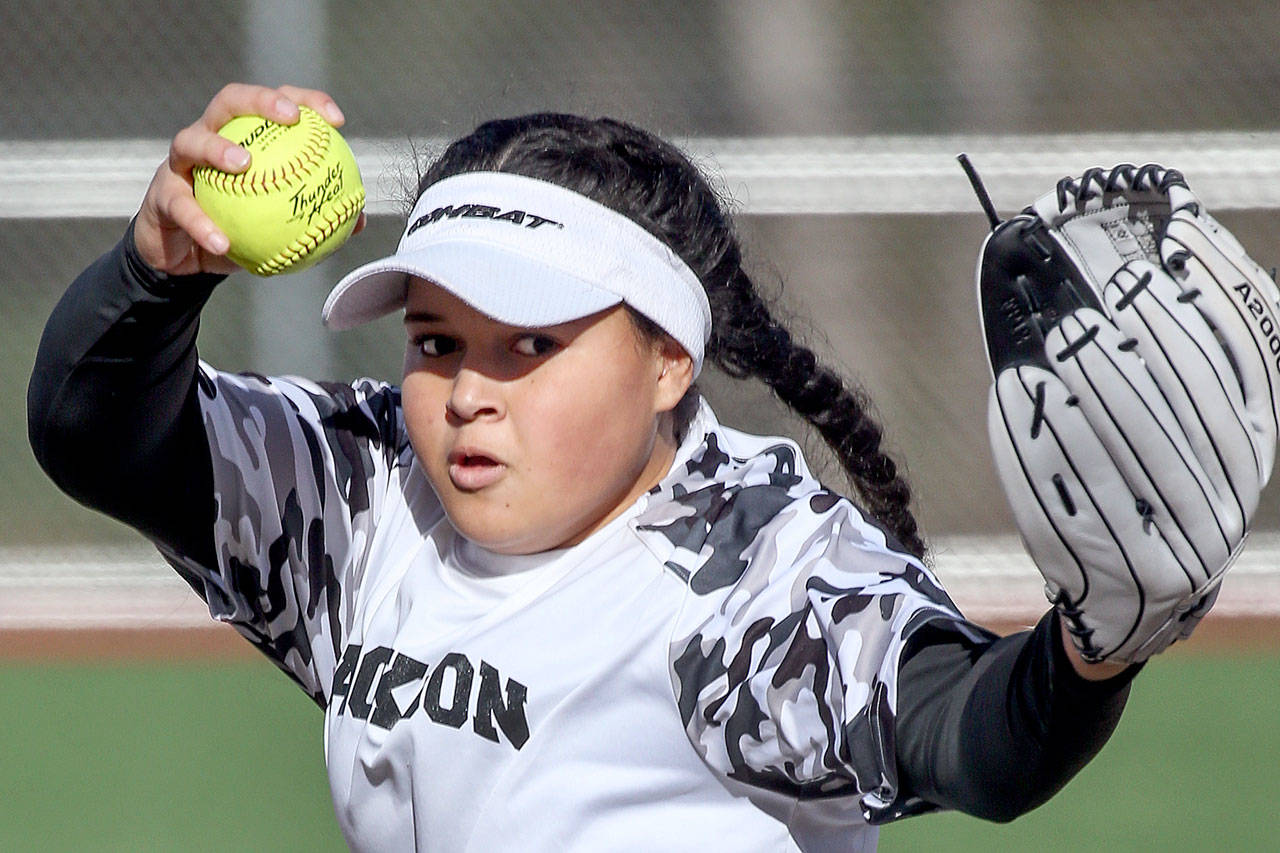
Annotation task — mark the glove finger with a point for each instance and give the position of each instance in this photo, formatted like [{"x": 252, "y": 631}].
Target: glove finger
[
  {"x": 1240, "y": 301},
  {"x": 1192, "y": 371},
  {"x": 1129, "y": 414},
  {"x": 1098, "y": 550}
]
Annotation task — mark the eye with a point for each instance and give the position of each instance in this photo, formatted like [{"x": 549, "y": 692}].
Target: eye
[
  {"x": 535, "y": 345},
  {"x": 434, "y": 346}
]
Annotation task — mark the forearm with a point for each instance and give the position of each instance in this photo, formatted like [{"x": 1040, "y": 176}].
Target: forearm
[
  {"x": 996, "y": 730},
  {"x": 113, "y": 415}
]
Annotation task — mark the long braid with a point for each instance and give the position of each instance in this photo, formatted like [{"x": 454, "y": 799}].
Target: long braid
[
  {"x": 652, "y": 182},
  {"x": 747, "y": 341}
]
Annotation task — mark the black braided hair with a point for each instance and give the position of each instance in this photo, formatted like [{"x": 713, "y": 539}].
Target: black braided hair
[{"x": 651, "y": 182}]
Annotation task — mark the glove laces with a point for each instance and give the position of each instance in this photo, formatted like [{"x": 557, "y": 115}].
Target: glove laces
[{"x": 1122, "y": 178}]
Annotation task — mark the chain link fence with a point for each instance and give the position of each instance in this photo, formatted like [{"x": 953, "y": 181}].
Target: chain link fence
[{"x": 791, "y": 104}]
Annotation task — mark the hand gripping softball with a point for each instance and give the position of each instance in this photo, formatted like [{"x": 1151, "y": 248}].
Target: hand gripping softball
[
  {"x": 1133, "y": 414},
  {"x": 297, "y": 202}
]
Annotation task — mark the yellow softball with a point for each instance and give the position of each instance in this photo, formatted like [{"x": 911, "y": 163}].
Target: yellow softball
[{"x": 298, "y": 200}]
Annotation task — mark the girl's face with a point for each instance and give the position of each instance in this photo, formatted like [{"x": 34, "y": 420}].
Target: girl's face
[{"x": 535, "y": 438}]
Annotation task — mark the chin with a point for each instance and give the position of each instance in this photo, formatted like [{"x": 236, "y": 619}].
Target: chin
[{"x": 499, "y": 537}]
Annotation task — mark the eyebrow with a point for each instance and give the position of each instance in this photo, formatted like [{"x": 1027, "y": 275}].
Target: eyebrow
[{"x": 421, "y": 317}]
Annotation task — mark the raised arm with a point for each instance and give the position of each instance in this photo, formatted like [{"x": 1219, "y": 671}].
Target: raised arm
[
  {"x": 260, "y": 492},
  {"x": 112, "y": 411}
]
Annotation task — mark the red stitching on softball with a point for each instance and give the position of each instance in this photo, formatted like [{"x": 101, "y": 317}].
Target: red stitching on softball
[{"x": 315, "y": 146}]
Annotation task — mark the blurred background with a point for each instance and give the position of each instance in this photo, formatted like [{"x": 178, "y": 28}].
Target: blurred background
[
  {"x": 786, "y": 104},
  {"x": 833, "y": 127}
]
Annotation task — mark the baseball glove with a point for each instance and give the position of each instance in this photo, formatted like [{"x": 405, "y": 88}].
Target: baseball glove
[{"x": 1133, "y": 414}]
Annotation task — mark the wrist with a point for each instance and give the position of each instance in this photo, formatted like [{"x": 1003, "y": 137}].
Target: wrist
[
  {"x": 1088, "y": 670},
  {"x": 153, "y": 280}
]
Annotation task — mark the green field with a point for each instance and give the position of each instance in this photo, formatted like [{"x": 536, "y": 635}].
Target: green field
[
  {"x": 160, "y": 757},
  {"x": 228, "y": 757}
]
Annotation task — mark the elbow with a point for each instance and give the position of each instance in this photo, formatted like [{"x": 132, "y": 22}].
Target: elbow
[
  {"x": 1004, "y": 803},
  {"x": 52, "y": 432},
  {"x": 1005, "y": 799},
  {"x": 42, "y": 423},
  {"x": 67, "y": 433},
  {"x": 1006, "y": 812},
  {"x": 48, "y": 420}
]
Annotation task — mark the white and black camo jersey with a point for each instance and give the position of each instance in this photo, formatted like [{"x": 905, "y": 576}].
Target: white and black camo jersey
[{"x": 715, "y": 669}]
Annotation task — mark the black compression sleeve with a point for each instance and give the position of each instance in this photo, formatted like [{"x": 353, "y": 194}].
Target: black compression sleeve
[
  {"x": 112, "y": 412},
  {"x": 995, "y": 730}
]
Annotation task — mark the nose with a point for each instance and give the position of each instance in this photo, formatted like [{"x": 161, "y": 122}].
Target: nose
[{"x": 475, "y": 395}]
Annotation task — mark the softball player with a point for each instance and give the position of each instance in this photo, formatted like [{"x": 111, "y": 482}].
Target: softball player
[{"x": 544, "y": 598}]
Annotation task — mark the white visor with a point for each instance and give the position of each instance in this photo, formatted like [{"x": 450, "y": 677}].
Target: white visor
[{"x": 528, "y": 253}]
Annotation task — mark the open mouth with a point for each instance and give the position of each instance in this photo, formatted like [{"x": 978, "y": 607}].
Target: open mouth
[{"x": 472, "y": 471}]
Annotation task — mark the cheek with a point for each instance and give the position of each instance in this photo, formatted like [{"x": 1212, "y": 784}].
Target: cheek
[
  {"x": 605, "y": 425},
  {"x": 423, "y": 407}
]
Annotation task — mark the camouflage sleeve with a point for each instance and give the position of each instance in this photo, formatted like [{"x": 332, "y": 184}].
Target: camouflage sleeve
[
  {"x": 300, "y": 470},
  {"x": 785, "y": 657}
]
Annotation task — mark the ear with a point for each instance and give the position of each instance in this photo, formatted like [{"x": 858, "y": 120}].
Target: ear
[{"x": 675, "y": 374}]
